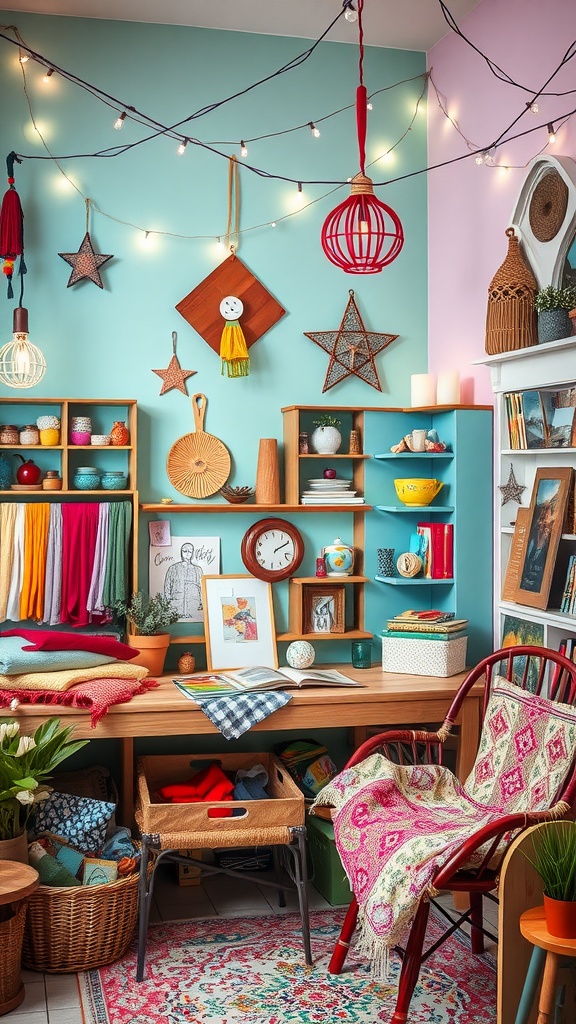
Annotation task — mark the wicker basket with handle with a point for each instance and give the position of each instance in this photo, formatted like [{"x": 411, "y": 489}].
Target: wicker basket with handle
[
  {"x": 78, "y": 928},
  {"x": 511, "y": 318}
]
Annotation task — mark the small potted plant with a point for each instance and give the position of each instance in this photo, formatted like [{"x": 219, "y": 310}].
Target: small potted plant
[
  {"x": 148, "y": 620},
  {"x": 553, "y": 305},
  {"x": 26, "y": 762},
  {"x": 554, "y": 859},
  {"x": 326, "y": 439}
]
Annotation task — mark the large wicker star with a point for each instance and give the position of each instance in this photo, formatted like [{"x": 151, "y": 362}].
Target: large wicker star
[
  {"x": 511, "y": 490},
  {"x": 85, "y": 262},
  {"x": 174, "y": 376},
  {"x": 352, "y": 348}
]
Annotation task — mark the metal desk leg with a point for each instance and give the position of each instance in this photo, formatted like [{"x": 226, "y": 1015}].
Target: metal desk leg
[
  {"x": 145, "y": 893},
  {"x": 298, "y": 852},
  {"x": 278, "y": 872},
  {"x": 533, "y": 975}
]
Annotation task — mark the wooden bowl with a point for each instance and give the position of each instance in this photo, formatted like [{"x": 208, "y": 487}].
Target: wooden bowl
[{"x": 236, "y": 495}]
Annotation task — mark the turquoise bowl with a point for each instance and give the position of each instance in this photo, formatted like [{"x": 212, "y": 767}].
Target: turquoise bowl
[
  {"x": 87, "y": 478},
  {"x": 114, "y": 481}
]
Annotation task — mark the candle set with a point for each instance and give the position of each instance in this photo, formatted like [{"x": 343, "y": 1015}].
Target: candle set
[{"x": 426, "y": 390}]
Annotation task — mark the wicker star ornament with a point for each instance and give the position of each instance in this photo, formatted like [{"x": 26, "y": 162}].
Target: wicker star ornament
[
  {"x": 174, "y": 376},
  {"x": 511, "y": 490},
  {"x": 85, "y": 263},
  {"x": 351, "y": 348}
]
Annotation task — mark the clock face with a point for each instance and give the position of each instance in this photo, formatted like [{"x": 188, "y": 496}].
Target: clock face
[{"x": 272, "y": 549}]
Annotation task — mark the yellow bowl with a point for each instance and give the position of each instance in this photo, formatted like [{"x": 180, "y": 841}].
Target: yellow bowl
[{"x": 417, "y": 490}]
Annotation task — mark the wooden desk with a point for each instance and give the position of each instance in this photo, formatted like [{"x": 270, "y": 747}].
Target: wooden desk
[{"x": 385, "y": 699}]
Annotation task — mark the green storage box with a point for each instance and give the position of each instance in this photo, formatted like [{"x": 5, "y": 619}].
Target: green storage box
[{"x": 328, "y": 875}]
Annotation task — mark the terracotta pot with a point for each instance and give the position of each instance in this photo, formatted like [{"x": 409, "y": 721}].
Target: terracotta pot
[
  {"x": 15, "y": 849},
  {"x": 560, "y": 917},
  {"x": 153, "y": 650}
]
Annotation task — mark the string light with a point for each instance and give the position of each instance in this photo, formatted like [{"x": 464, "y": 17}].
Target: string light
[
  {"x": 219, "y": 243},
  {"x": 273, "y": 224},
  {"x": 479, "y": 159},
  {"x": 551, "y": 132},
  {"x": 46, "y": 78},
  {"x": 350, "y": 12},
  {"x": 533, "y": 106},
  {"x": 315, "y": 131},
  {"x": 23, "y": 58},
  {"x": 369, "y": 105},
  {"x": 118, "y": 123},
  {"x": 182, "y": 147},
  {"x": 243, "y": 149},
  {"x": 22, "y": 364}
]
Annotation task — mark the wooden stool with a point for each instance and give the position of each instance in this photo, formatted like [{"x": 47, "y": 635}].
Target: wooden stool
[
  {"x": 17, "y": 882},
  {"x": 533, "y": 927}
]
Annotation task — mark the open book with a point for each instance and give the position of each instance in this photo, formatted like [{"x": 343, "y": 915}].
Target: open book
[{"x": 250, "y": 680}]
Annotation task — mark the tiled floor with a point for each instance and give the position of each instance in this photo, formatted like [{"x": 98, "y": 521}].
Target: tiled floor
[{"x": 53, "y": 998}]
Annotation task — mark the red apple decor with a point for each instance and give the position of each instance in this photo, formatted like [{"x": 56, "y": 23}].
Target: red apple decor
[
  {"x": 28, "y": 472},
  {"x": 329, "y": 474}
]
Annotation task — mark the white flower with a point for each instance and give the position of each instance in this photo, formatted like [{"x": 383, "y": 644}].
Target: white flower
[
  {"x": 25, "y": 796},
  {"x": 8, "y": 730},
  {"x": 26, "y": 743}
]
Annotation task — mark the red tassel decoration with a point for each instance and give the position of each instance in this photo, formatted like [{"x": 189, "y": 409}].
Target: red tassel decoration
[{"x": 11, "y": 228}]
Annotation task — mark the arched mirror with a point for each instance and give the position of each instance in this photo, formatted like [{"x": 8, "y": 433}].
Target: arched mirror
[{"x": 544, "y": 219}]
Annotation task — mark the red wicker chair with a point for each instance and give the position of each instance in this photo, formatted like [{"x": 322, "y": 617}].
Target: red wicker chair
[{"x": 553, "y": 674}]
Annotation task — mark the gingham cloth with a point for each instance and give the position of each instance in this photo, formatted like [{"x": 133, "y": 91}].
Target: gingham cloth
[{"x": 234, "y": 714}]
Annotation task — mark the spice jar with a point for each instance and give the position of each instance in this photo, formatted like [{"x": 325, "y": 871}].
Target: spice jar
[
  {"x": 29, "y": 434},
  {"x": 52, "y": 481},
  {"x": 9, "y": 434}
]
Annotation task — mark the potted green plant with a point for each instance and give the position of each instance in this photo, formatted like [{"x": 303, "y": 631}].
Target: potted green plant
[
  {"x": 326, "y": 439},
  {"x": 26, "y": 763},
  {"x": 148, "y": 620},
  {"x": 553, "y": 305},
  {"x": 554, "y": 858}
]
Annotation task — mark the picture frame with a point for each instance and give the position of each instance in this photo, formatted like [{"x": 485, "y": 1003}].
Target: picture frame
[
  {"x": 323, "y": 609},
  {"x": 512, "y": 572},
  {"x": 547, "y": 513},
  {"x": 238, "y": 622},
  {"x": 518, "y": 632},
  {"x": 176, "y": 567}
]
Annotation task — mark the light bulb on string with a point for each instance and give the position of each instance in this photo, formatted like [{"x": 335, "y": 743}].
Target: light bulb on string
[
  {"x": 350, "y": 12},
  {"x": 315, "y": 131},
  {"x": 118, "y": 123},
  {"x": 551, "y": 132},
  {"x": 533, "y": 106},
  {"x": 22, "y": 364},
  {"x": 219, "y": 243},
  {"x": 49, "y": 72},
  {"x": 243, "y": 149},
  {"x": 23, "y": 57},
  {"x": 273, "y": 224},
  {"x": 182, "y": 147},
  {"x": 147, "y": 239},
  {"x": 369, "y": 105},
  {"x": 479, "y": 159}
]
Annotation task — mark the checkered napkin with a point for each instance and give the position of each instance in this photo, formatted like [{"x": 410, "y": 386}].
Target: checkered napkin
[{"x": 234, "y": 714}]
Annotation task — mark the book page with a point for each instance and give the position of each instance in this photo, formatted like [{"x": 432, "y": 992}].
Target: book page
[
  {"x": 257, "y": 676},
  {"x": 317, "y": 675}
]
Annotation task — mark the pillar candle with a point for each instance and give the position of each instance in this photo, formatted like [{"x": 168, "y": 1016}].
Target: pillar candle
[
  {"x": 422, "y": 389},
  {"x": 448, "y": 389}
]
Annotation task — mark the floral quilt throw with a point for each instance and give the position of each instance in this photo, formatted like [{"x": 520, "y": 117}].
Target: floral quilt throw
[{"x": 395, "y": 825}]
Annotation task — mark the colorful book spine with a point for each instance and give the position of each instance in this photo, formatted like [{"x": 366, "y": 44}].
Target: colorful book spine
[
  {"x": 439, "y": 538},
  {"x": 422, "y": 635}
]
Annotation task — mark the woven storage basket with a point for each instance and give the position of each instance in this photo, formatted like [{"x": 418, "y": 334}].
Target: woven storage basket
[
  {"x": 11, "y": 932},
  {"x": 511, "y": 318},
  {"x": 78, "y": 928}
]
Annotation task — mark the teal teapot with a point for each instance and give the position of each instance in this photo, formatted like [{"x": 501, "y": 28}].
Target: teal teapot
[{"x": 5, "y": 474}]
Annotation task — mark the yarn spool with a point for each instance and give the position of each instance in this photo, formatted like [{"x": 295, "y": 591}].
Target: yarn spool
[
  {"x": 267, "y": 475},
  {"x": 409, "y": 564},
  {"x": 511, "y": 317}
]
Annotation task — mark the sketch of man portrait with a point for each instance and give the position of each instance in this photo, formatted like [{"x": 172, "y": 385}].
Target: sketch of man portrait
[{"x": 182, "y": 583}]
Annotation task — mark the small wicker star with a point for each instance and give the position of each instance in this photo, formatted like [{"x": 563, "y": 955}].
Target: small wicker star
[
  {"x": 511, "y": 490},
  {"x": 352, "y": 348},
  {"x": 173, "y": 376},
  {"x": 85, "y": 263}
]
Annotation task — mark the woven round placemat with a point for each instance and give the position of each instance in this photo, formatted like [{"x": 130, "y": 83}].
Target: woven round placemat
[{"x": 548, "y": 206}]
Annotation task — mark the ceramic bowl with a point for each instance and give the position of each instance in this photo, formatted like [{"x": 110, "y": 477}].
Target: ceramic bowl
[
  {"x": 81, "y": 437},
  {"x": 100, "y": 439},
  {"x": 417, "y": 490},
  {"x": 236, "y": 495}
]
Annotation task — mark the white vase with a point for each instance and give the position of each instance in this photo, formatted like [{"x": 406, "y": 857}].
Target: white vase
[{"x": 326, "y": 440}]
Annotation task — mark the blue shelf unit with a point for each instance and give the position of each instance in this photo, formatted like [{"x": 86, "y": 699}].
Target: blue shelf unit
[{"x": 466, "y": 501}]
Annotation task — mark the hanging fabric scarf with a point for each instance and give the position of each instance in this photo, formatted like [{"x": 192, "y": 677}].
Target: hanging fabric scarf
[
  {"x": 53, "y": 586},
  {"x": 233, "y": 347},
  {"x": 79, "y": 529},
  {"x": 7, "y": 523},
  {"x": 13, "y": 605},
  {"x": 116, "y": 576},
  {"x": 36, "y": 521}
]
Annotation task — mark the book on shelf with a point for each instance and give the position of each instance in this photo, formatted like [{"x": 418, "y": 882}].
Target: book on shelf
[
  {"x": 258, "y": 678},
  {"x": 421, "y": 623},
  {"x": 424, "y": 615},
  {"x": 534, "y": 420},
  {"x": 414, "y": 634},
  {"x": 567, "y": 647},
  {"x": 568, "y": 602},
  {"x": 437, "y": 550},
  {"x": 541, "y": 419}
]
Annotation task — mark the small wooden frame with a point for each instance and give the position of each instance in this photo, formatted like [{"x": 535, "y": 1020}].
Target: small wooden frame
[
  {"x": 547, "y": 513},
  {"x": 323, "y": 610}
]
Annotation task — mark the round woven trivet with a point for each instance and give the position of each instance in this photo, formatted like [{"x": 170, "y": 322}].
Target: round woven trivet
[{"x": 548, "y": 206}]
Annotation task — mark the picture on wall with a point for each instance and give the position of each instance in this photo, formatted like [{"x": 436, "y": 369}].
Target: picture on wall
[
  {"x": 176, "y": 570},
  {"x": 324, "y": 609},
  {"x": 238, "y": 622},
  {"x": 547, "y": 513}
]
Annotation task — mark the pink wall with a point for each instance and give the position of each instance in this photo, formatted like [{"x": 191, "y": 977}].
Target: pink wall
[{"x": 470, "y": 206}]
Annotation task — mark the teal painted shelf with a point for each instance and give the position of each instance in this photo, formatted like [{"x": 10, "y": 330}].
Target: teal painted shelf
[
  {"x": 415, "y": 508},
  {"x": 400, "y": 581}
]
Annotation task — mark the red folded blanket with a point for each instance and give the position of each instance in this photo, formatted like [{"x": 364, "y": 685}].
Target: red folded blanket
[
  {"x": 209, "y": 784},
  {"x": 52, "y": 640},
  {"x": 97, "y": 695}
]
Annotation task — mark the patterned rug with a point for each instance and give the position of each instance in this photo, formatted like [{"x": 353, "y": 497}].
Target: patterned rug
[{"x": 251, "y": 970}]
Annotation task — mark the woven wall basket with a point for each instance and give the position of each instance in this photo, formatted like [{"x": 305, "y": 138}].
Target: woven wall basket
[{"x": 511, "y": 318}]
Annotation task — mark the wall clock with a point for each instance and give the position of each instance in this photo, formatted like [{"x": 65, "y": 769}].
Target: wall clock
[{"x": 272, "y": 549}]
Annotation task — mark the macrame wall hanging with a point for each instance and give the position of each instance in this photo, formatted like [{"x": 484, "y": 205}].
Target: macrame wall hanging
[
  {"x": 85, "y": 262},
  {"x": 511, "y": 318},
  {"x": 351, "y": 348},
  {"x": 12, "y": 229}
]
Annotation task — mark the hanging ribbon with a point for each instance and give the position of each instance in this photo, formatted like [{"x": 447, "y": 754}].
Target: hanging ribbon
[
  {"x": 12, "y": 230},
  {"x": 233, "y": 223}
]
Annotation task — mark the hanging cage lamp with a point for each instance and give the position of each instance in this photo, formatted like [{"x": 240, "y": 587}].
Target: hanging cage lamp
[
  {"x": 22, "y": 364},
  {"x": 362, "y": 235}
]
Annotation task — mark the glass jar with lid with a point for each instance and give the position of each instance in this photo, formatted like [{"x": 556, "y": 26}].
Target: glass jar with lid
[
  {"x": 9, "y": 434},
  {"x": 29, "y": 434}
]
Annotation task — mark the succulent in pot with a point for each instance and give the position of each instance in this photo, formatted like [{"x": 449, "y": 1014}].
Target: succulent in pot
[
  {"x": 326, "y": 439},
  {"x": 554, "y": 859},
  {"x": 148, "y": 619},
  {"x": 553, "y": 305}
]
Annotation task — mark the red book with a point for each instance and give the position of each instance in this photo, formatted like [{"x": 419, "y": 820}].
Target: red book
[{"x": 440, "y": 565}]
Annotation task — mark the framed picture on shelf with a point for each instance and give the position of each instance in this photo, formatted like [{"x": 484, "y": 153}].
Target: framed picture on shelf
[
  {"x": 547, "y": 513},
  {"x": 238, "y": 622},
  {"x": 516, "y": 548},
  {"x": 323, "y": 610},
  {"x": 534, "y": 420},
  {"x": 518, "y": 633}
]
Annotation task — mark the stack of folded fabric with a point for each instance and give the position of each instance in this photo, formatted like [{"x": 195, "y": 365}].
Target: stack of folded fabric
[
  {"x": 82, "y": 670},
  {"x": 212, "y": 785}
]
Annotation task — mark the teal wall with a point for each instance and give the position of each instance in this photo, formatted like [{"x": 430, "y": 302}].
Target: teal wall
[{"x": 103, "y": 343}]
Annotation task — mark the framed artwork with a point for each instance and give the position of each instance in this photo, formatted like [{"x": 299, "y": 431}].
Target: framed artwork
[
  {"x": 239, "y": 622},
  {"x": 512, "y": 573},
  {"x": 176, "y": 570},
  {"x": 324, "y": 609},
  {"x": 518, "y": 632},
  {"x": 547, "y": 513}
]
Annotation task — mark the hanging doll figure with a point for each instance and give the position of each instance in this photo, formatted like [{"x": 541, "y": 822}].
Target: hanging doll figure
[{"x": 233, "y": 347}]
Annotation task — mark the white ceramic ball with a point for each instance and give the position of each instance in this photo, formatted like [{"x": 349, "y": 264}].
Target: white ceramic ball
[{"x": 300, "y": 654}]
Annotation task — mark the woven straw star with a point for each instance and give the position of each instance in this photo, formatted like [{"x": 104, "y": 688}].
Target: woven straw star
[
  {"x": 174, "y": 376},
  {"x": 85, "y": 262},
  {"x": 352, "y": 348},
  {"x": 511, "y": 490}
]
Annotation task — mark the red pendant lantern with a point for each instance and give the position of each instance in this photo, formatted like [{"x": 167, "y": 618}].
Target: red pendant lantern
[{"x": 362, "y": 235}]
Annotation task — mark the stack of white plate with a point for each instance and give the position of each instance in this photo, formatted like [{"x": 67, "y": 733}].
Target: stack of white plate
[{"x": 330, "y": 492}]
